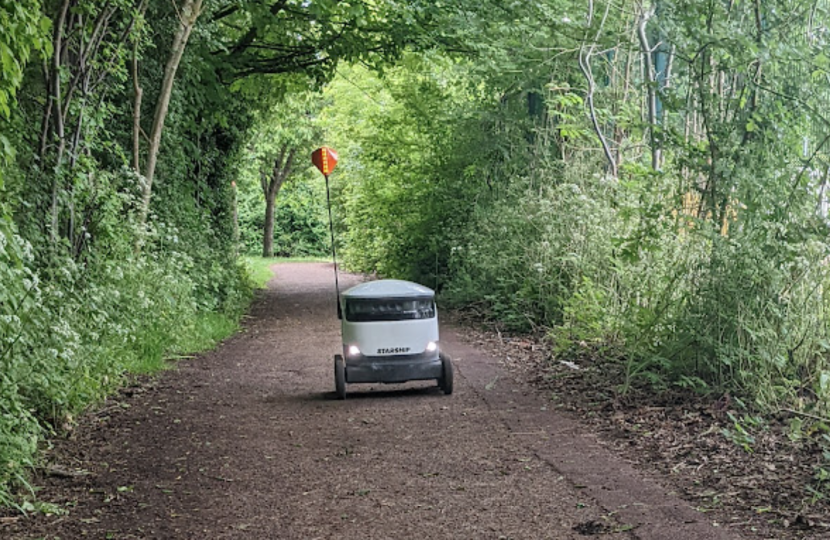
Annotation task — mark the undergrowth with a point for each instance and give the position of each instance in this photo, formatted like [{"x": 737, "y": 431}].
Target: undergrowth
[
  {"x": 614, "y": 266},
  {"x": 70, "y": 337}
]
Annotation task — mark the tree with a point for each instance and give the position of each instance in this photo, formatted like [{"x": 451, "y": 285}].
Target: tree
[
  {"x": 88, "y": 41},
  {"x": 286, "y": 131},
  {"x": 97, "y": 175},
  {"x": 187, "y": 15},
  {"x": 271, "y": 181},
  {"x": 701, "y": 256},
  {"x": 310, "y": 38}
]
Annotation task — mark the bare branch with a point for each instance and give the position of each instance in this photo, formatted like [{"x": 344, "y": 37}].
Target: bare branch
[
  {"x": 650, "y": 85},
  {"x": 584, "y": 59}
]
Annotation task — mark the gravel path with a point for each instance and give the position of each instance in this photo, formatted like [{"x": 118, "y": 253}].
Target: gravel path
[{"x": 248, "y": 442}]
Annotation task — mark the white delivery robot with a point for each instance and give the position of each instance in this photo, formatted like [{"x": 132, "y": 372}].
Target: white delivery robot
[{"x": 390, "y": 335}]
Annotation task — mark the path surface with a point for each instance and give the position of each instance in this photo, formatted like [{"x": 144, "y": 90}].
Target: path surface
[{"x": 248, "y": 442}]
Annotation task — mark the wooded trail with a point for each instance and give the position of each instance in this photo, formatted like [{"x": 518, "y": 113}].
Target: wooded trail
[{"x": 248, "y": 441}]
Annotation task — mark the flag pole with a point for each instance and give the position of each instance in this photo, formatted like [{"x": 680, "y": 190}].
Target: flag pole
[{"x": 333, "y": 249}]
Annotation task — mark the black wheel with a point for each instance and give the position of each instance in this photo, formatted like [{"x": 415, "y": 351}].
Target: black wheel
[
  {"x": 445, "y": 382},
  {"x": 339, "y": 376}
]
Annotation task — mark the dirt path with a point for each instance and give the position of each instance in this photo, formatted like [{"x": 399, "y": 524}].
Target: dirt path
[{"x": 247, "y": 442}]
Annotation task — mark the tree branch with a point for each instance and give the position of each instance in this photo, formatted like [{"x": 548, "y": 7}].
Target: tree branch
[
  {"x": 249, "y": 37},
  {"x": 584, "y": 59},
  {"x": 650, "y": 86}
]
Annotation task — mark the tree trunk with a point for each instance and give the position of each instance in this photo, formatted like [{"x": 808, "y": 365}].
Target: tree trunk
[
  {"x": 55, "y": 100},
  {"x": 271, "y": 184},
  {"x": 235, "y": 220},
  {"x": 651, "y": 81},
  {"x": 268, "y": 234},
  {"x": 188, "y": 14},
  {"x": 138, "y": 92}
]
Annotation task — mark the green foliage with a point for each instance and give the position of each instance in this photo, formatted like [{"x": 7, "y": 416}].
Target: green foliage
[
  {"x": 300, "y": 224},
  {"x": 532, "y": 161},
  {"x": 481, "y": 172},
  {"x": 296, "y": 36},
  {"x": 91, "y": 290},
  {"x": 25, "y": 29},
  {"x": 401, "y": 190},
  {"x": 19, "y": 296},
  {"x": 820, "y": 489},
  {"x": 81, "y": 309},
  {"x": 300, "y": 221},
  {"x": 67, "y": 342}
]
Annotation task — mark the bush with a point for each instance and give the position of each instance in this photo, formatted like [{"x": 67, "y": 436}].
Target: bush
[
  {"x": 300, "y": 220},
  {"x": 683, "y": 302},
  {"x": 68, "y": 342}
]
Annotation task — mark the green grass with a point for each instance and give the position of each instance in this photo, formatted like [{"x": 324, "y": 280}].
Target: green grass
[
  {"x": 159, "y": 351},
  {"x": 260, "y": 267},
  {"x": 260, "y": 270},
  {"x": 207, "y": 331},
  {"x": 210, "y": 329}
]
